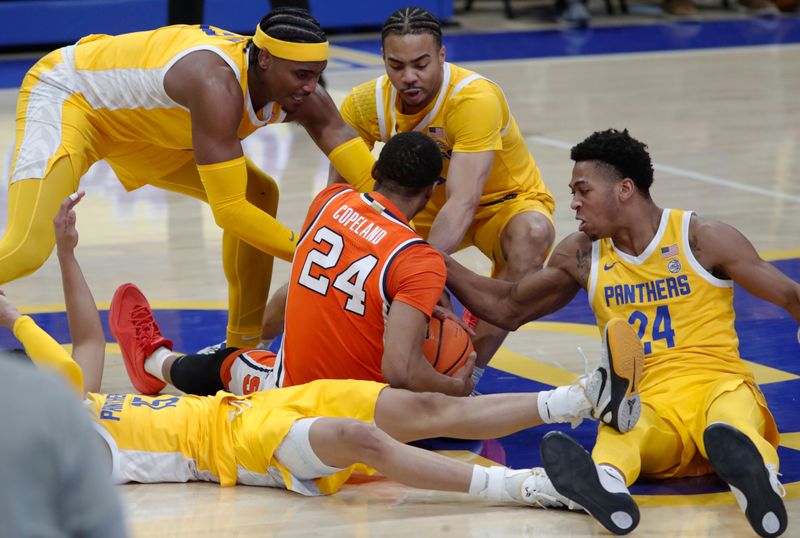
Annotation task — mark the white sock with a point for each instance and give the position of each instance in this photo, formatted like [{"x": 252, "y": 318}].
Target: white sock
[
  {"x": 611, "y": 479},
  {"x": 154, "y": 364},
  {"x": 480, "y": 480},
  {"x": 498, "y": 483},
  {"x": 564, "y": 404}
]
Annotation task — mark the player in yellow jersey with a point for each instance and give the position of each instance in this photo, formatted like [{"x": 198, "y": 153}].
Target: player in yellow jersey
[
  {"x": 169, "y": 108},
  {"x": 308, "y": 438},
  {"x": 670, "y": 274},
  {"x": 493, "y": 196}
]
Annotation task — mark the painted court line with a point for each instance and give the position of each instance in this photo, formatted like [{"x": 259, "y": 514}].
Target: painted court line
[{"x": 697, "y": 176}]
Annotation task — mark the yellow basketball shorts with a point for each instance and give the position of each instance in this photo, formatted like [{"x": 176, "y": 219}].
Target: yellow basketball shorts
[
  {"x": 224, "y": 438},
  {"x": 489, "y": 223},
  {"x": 668, "y": 439},
  {"x": 260, "y": 428}
]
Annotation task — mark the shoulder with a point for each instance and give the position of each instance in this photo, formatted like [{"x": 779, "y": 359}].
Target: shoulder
[
  {"x": 204, "y": 66},
  {"x": 201, "y": 75},
  {"x": 365, "y": 88},
  {"x": 714, "y": 242},
  {"x": 361, "y": 101},
  {"x": 707, "y": 233},
  {"x": 330, "y": 191},
  {"x": 418, "y": 255}
]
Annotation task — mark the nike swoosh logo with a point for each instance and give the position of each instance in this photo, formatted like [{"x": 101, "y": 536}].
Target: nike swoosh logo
[
  {"x": 604, "y": 378},
  {"x": 607, "y": 266},
  {"x": 291, "y": 237}
]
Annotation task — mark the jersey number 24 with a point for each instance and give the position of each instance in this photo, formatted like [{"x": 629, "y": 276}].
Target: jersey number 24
[
  {"x": 662, "y": 327},
  {"x": 349, "y": 280}
]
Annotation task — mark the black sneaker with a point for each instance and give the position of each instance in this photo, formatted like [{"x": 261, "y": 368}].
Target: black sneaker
[
  {"x": 575, "y": 476},
  {"x": 755, "y": 485},
  {"x": 613, "y": 387}
]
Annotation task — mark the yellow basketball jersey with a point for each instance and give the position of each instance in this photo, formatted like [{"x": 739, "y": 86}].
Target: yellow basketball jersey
[
  {"x": 684, "y": 315},
  {"x": 167, "y": 438},
  {"x": 117, "y": 83},
  {"x": 224, "y": 438},
  {"x": 469, "y": 114}
]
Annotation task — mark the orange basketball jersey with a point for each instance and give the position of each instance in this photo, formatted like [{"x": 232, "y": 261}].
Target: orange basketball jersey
[{"x": 357, "y": 254}]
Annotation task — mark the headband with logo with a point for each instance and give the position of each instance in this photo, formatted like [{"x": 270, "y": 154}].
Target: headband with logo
[{"x": 296, "y": 52}]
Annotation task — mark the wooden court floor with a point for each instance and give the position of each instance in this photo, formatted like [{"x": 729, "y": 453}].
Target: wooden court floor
[{"x": 723, "y": 127}]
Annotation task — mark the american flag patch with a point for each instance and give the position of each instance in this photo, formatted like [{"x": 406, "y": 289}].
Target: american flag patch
[
  {"x": 670, "y": 251},
  {"x": 436, "y": 132}
]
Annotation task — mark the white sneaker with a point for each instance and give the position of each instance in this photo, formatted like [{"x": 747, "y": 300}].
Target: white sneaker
[
  {"x": 210, "y": 350},
  {"x": 576, "y": 477},
  {"x": 539, "y": 490},
  {"x": 755, "y": 485},
  {"x": 613, "y": 387}
]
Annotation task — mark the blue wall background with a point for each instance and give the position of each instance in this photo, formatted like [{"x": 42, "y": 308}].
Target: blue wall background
[{"x": 45, "y": 22}]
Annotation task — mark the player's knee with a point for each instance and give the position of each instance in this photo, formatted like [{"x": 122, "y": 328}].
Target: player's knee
[
  {"x": 366, "y": 440},
  {"x": 525, "y": 243},
  {"x": 428, "y": 404}
]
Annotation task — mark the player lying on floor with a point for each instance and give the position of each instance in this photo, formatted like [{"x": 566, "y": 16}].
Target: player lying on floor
[{"x": 308, "y": 438}]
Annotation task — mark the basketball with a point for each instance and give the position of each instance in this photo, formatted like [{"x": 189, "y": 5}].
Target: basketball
[{"x": 447, "y": 346}]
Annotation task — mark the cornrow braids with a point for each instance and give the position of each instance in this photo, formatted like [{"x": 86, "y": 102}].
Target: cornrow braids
[
  {"x": 292, "y": 24},
  {"x": 412, "y": 20}
]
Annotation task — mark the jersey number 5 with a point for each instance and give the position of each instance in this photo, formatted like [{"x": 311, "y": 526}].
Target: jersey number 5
[
  {"x": 662, "y": 327},
  {"x": 349, "y": 281}
]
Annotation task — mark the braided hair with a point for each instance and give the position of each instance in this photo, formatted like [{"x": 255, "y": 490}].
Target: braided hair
[
  {"x": 414, "y": 21},
  {"x": 291, "y": 24}
]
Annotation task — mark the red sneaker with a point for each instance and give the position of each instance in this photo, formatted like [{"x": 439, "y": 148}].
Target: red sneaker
[
  {"x": 133, "y": 327},
  {"x": 469, "y": 318}
]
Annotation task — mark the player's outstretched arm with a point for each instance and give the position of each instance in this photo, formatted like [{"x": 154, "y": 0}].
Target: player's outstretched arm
[
  {"x": 41, "y": 348},
  {"x": 88, "y": 340},
  {"x": 727, "y": 253},
  {"x": 466, "y": 177},
  {"x": 510, "y": 304}
]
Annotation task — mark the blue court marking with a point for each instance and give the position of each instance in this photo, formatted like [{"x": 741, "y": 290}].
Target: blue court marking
[
  {"x": 611, "y": 39},
  {"x": 767, "y": 336}
]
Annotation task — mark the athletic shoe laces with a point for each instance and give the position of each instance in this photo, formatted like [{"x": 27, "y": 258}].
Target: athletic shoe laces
[{"x": 145, "y": 326}]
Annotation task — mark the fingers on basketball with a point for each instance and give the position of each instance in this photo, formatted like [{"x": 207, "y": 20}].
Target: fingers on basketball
[{"x": 447, "y": 346}]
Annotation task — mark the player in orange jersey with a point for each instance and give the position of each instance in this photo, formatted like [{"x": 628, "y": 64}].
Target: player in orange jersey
[
  {"x": 363, "y": 286},
  {"x": 307, "y": 438}
]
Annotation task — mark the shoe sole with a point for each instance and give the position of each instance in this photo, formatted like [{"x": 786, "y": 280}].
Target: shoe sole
[
  {"x": 139, "y": 381},
  {"x": 626, "y": 360},
  {"x": 737, "y": 462},
  {"x": 574, "y": 475}
]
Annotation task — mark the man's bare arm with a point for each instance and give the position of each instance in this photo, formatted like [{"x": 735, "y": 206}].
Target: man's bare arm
[
  {"x": 466, "y": 177},
  {"x": 207, "y": 86},
  {"x": 88, "y": 340},
  {"x": 726, "y": 253},
  {"x": 511, "y": 304},
  {"x": 403, "y": 364}
]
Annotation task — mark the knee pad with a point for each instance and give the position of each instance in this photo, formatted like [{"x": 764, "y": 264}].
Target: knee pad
[{"x": 295, "y": 453}]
